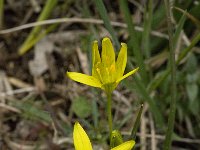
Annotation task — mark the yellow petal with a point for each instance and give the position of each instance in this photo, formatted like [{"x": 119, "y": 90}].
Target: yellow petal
[
  {"x": 128, "y": 74},
  {"x": 96, "y": 60},
  {"x": 81, "y": 140},
  {"x": 121, "y": 60},
  {"x": 125, "y": 146},
  {"x": 108, "y": 53},
  {"x": 85, "y": 79}
]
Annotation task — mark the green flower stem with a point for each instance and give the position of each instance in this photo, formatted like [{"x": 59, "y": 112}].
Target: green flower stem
[{"x": 109, "y": 111}]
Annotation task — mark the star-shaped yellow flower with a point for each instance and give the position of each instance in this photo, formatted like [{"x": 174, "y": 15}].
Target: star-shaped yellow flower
[
  {"x": 82, "y": 141},
  {"x": 107, "y": 72}
]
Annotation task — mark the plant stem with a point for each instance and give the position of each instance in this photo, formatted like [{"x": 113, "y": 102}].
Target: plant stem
[
  {"x": 171, "y": 119},
  {"x": 109, "y": 111}
]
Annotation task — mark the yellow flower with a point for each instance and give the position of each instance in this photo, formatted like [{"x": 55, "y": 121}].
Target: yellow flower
[
  {"x": 82, "y": 141},
  {"x": 107, "y": 72}
]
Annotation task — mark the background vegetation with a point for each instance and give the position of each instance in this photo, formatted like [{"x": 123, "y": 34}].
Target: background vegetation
[{"x": 39, "y": 104}]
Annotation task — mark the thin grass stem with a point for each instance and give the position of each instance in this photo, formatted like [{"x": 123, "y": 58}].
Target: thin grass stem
[
  {"x": 104, "y": 15},
  {"x": 134, "y": 40},
  {"x": 171, "y": 119}
]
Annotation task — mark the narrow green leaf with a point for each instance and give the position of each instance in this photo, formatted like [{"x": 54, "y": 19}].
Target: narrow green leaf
[
  {"x": 184, "y": 53},
  {"x": 172, "y": 113},
  {"x": 147, "y": 28},
  {"x": 32, "y": 42},
  {"x": 104, "y": 15},
  {"x": 192, "y": 18},
  {"x": 158, "y": 80},
  {"x": 158, "y": 16},
  {"x": 95, "y": 113},
  {"x": 134, "y": 40},
  {"x": 33, "y": 112},
  {"x": 153, "y": 107},
  {"x": 141, "y": 89},
  {"x": 137, "y": 123},
  {"x": 32, "y": 38},
  {"x": 178, "y": 30}
]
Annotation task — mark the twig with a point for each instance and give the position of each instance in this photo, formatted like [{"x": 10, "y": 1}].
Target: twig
[
  {"x": 153, "y": 139},
  {"x": 143, "y": 138},
  {"x": 35, "y": 5},
  {"x": 20, "y": 146},
  {"x": 76, "y": 20},
  {"x": 122, "y": 98},
  {"x": 17, "y": 91},
  {"x": 10, "y": 108}
]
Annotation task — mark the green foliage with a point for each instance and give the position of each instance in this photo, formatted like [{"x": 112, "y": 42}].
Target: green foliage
[
  {"x": 33, "y": 112},
  {"x": 81, "y": 107}
]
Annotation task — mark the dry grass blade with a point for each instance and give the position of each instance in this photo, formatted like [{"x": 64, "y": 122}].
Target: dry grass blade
[{"x": 77, "y": 20}]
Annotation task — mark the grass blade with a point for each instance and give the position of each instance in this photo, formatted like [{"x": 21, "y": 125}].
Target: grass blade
[
  {"x": 33, "y": 36},
  {"x": 158, "y": 80},
  {"x": 104, "y": 15},
  {"x": 178, "y": 30},
  {"x": 171, "y": 119},
  {"x": 153, "y": 107},
  {"x": 184, "y": 53},
  {"x": 134, "y": 40},
  {"x": 192, "y": 18},
  {"x": 147, "y": 28},
  {"x": 30, "y": 111},
  {"x": 158, "y": 16},
  {"x": 136, "y": 124},
  {"x": 32, "y": 42},
  {"x": 141, "y": 89}
]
